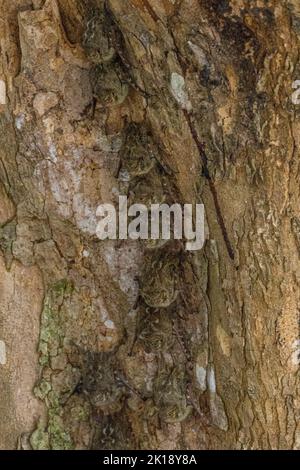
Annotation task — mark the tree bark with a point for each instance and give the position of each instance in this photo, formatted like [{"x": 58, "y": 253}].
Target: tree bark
[{"x": 121, "y": 344}]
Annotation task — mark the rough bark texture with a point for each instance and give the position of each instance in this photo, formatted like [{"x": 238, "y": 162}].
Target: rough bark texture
[{"x": 130, "y": 345}]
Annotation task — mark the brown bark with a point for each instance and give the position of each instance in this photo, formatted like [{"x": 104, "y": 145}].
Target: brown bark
[{"x": 113, "y": 344}]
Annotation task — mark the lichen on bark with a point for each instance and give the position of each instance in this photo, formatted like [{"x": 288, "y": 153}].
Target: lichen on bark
[{"x": 141, "y": 345}]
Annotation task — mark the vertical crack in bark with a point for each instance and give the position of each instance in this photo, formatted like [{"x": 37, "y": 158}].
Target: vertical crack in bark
[{"x": 203, "y": 157}]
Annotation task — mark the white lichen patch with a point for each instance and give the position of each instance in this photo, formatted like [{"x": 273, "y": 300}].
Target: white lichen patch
[
  {"x": 2, "y": 353},
  {"x": 53, "y": 152},
  {"x": 211, "y": 380},
  {"x": 20, "y": 121},
  {"x": 295, "y": 357},
  {"x": 179, "y": 92},
  {"x": 201, "y": 377},
  {"x": 109, "y": 324},
  {"x": 199, "y": 54},
  {"x": 2, "y": 92}
]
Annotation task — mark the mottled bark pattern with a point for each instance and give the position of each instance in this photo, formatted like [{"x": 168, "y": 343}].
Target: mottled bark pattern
[{"x": 135, "y": 345}]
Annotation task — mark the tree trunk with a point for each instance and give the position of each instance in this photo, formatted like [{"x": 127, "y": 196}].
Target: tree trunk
[{"x": 128, "y": 344}]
